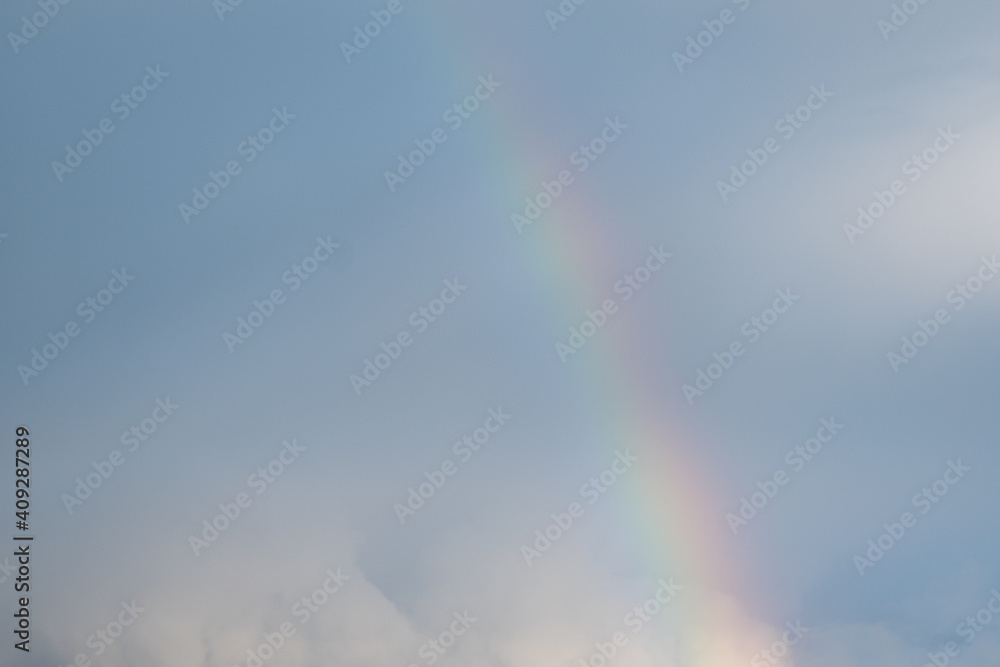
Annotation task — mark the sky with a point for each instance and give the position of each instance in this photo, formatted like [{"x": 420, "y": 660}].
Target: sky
[{"x": 492, "y": 334}]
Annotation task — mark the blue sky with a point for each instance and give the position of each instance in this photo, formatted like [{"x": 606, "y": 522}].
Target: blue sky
[{"x": 321, "y": 182}]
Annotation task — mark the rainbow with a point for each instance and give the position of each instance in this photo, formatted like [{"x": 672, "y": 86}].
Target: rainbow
[{"x": 678, "y": 517}]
